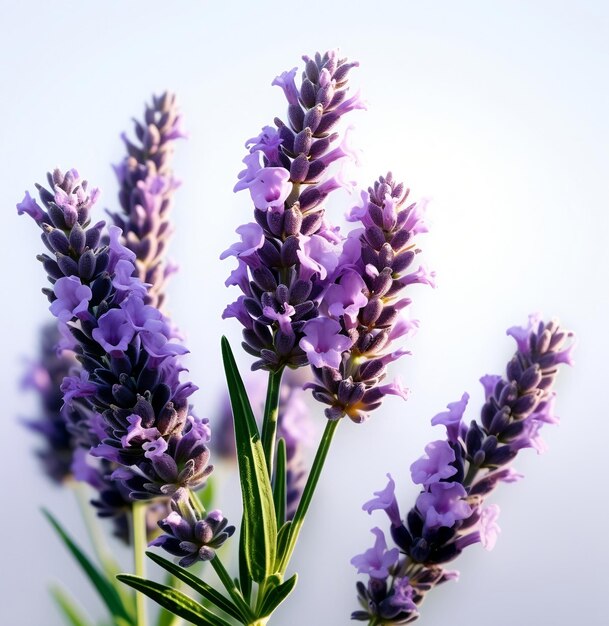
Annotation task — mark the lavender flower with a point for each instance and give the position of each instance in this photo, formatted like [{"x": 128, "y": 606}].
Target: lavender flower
[
  {"x": 376, "y": 561},
  {"x": 460, "y": 472},
  {"x": 127, "y": 349},
  {"x": 44, "y": 377},
  {"x": 147, "y": 186},
  {"x": 191, "y": 535},
  {"x": 287, "y": 254},
  {"x": 354, "y": 343}
]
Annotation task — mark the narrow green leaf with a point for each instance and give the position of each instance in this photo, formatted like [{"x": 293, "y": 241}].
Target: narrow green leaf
[
  {"x": 173, "y": 600},
  {"x": 245, "y": 581},
  {"x": 282, "y": 540},
  {"x": 68, "y": 607},
  {"x": 104, "y": 587},
  {"x": 207, "y": 591},
  {"x": 279, "y": 486},
  {"x": 165, "y": 617},
  {"x": 277, "y": 595},
  {"x": 259, "y": 522}
]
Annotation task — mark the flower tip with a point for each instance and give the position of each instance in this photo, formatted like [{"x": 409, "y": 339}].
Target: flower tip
[{"x": 30, "y": 206}]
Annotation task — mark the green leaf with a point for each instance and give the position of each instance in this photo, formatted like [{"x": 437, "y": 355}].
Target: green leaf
[
  {"x": 282, "y": 539},
  {"x": 259, "y": 522},
  {"x": 279, "y": 486},
  {"x": 277, "y": 595},
  {"x": 69, "y": 609},
  {"x": 165, "y": 617},
  {"x": 207, "y": 591},
  {"x": 173, "y": 600},
  {"x": 245, "y": 582},
  {"x": 104, "y": 587}
]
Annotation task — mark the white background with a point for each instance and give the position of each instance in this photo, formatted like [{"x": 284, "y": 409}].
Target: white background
[{"x": 497, "y": 110}]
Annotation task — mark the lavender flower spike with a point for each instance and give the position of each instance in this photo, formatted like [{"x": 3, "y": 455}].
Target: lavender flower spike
[
  {"x": 126, "y": 347},
  {"x": 364, "y": 302},
  {"x": 458, "y": 474},
  {"x": 147, "y": 186},
  {"x": 282, "y": 269}
]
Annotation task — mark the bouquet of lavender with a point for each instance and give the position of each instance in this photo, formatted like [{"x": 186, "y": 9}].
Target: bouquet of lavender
[{"x": 117, "y": 407}]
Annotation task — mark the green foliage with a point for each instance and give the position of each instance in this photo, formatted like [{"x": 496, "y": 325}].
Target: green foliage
[
  {"x": 68, "y": 607},
  {"x": 175, "y": 601},
  {"x": 259, "y": 521},
  {"x": 105, "y": 588},
  {"x": 276, "y": 595},
  {"x": 241, "y": 613},
  {"x": 279, "y": 484}
]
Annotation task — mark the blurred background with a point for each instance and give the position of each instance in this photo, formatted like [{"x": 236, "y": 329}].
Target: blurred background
[{"x": 496, "y": 111}]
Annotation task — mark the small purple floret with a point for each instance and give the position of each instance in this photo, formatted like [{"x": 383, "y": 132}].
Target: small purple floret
[
  {"x": 72, "y": 299},
  {"x": 376, "y": 561},
  {"x": 443, "y": 505},
  {"x": 323, "y": 342},
  {"x": 435, "y": 465}
]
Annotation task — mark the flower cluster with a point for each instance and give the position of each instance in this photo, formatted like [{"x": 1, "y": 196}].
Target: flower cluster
[
  {"x": 457, "y": 474},
  {"x": 146, "y": 192},
  {"x": 351, "y": 345},
  {"x": 130, "y": 367},
  {"x": 147, "y": 186},
  {"x": 287, "y": 254},
  {"x": 309, "y": 295},
  {"x": 191, "y": 534}
]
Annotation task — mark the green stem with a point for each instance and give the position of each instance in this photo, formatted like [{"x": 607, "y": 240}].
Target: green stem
[
  {"x": 269, "y": 422},
  {"x": 307, "y": 494},
  {"x": 260, "y": 597},
  {"x": 229, "y": 585},
  {"x": 96, "y": 538},
  {"x": 139, "y": 553}
]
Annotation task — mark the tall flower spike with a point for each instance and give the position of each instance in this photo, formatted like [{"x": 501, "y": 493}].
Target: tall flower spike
[
  {"x": 458, "y": 474},
  {"x": 125, "y": 347},
  {"x": 147, "y": 186},
  {"x": 146, "y": 194},
  {"x": 290, "y": 250},
  {"x": 357, "y": 338}
]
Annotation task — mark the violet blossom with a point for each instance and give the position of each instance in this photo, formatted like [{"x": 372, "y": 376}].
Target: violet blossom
[
  {"x": 459, "y": 473},
  {"x": 191, "y": 535},
  {"x": 289, "y": 174},
  {"x": 135, "y": 370},
  {"x": 376, "y": 561},
  {"x": 365, "y": 299},
  {"x": 147, "y": 189}
]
